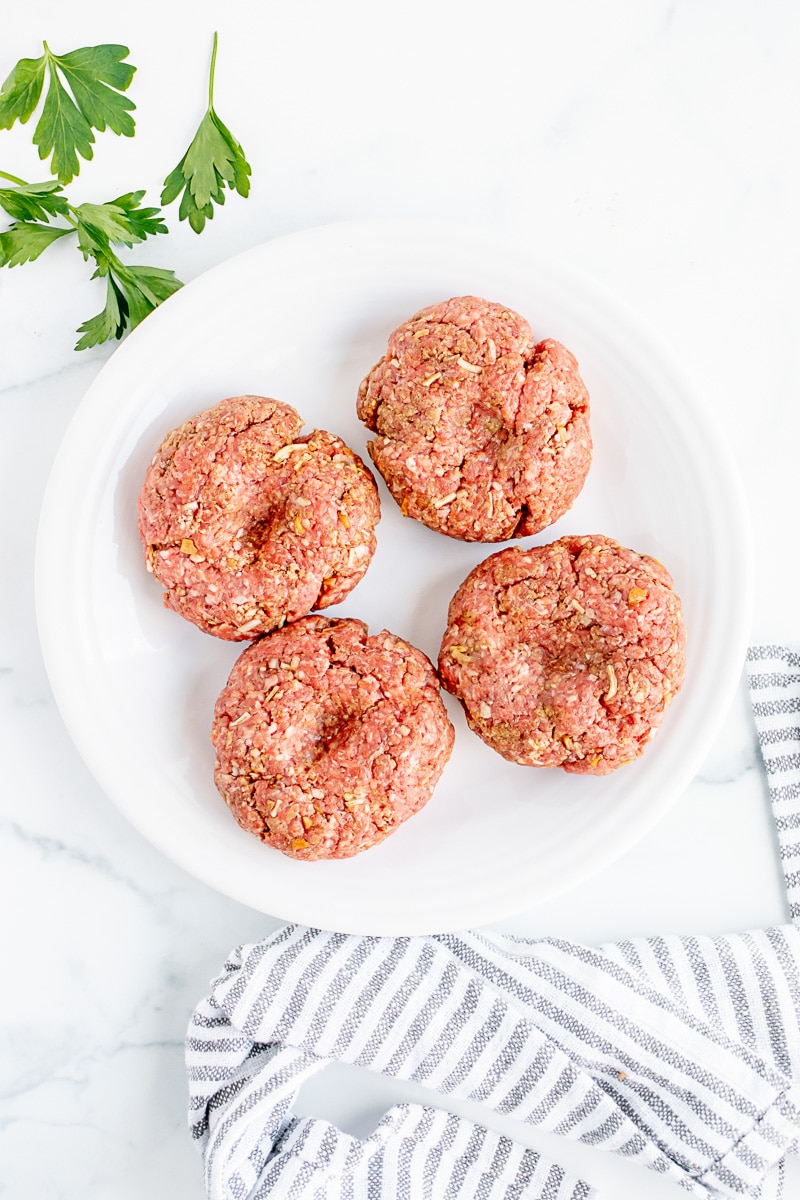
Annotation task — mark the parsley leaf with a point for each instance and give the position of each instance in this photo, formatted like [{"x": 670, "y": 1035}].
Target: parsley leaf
[
  {"x": 145, "y": 288},
  {"x": 24, "y": 241},
  {"x": 214, "y": 161},
  {"x": 117, "y": 222},
  {"x": 88, "y": 72},
  {"x": 32, "y": 201},
  {"x": 96, "y": 77},
  {"x": 20, "y": 92},
  {"x": 131, "y": 294},
  {"x": 108, "y": 324},
  {"x": 122, "y": 221},
  {"x": 142, "y": 222},
  {"x": 131, "y": 291}
]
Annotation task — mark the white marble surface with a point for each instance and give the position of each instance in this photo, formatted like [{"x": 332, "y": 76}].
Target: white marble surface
[{"x": 652, "y": 143}]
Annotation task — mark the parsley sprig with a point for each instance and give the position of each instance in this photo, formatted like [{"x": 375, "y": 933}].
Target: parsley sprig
[
  {"x": 42, "y": 214},
  {"x": 131, "y": 291},
  {"x": 213, "y": 161}
]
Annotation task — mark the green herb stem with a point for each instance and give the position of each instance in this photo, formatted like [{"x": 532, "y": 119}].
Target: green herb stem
[{"x": 211, "y": 73}]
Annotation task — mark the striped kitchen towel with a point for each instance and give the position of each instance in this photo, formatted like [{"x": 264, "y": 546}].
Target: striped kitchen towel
[
  {"x": 774, "y": 676},
  {"x": 682, "y": 1054}
]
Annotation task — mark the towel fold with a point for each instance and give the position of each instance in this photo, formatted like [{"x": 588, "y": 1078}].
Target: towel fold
[{"x": 683, "y": 1054}]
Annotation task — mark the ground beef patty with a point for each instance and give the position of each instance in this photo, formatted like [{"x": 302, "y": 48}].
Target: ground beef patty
[
  {"x": 328, "y": 739},
  {"x": 247, "y": 524},
  {"x": 565, "y": 655},
  {"x": 482, "y": 433}
]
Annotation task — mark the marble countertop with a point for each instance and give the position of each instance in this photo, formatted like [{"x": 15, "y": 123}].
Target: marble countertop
[{"x": 652, "y": 145}]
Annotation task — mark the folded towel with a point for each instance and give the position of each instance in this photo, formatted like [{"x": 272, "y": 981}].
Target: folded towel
[{"x": 683, "y": 1054}]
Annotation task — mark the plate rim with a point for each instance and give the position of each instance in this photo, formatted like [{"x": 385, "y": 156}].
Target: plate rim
[{"x": 159, "y": 324}]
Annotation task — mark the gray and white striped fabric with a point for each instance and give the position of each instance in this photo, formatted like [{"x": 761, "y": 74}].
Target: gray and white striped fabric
[
  {"x": 682, "y": 1054},
  {"x": 774, "y": 677}
]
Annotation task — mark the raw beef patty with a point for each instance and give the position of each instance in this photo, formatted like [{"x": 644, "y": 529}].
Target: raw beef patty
[
  {"x": 247, "y": 524},
  {"x": 481, "y": 432},
  {"x": 565, "y": 655},
  {"x": 328, "y": 739}
]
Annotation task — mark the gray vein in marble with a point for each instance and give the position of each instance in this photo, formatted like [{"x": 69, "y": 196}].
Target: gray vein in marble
[
  {"x": 732, "y": 769},
  {"x": 52, "y": 848},
  {"x": 68, "y": 369},
  {"x": 75, "y": 1069},
  {"x": 669, "y": 13}
]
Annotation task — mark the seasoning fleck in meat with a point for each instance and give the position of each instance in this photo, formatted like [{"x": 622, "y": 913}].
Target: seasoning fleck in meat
[
  {"x": 328, "y": 739},
  {"x": 481, "y": 432},
  {"x": 248, "y": 523},
  {"x": 565, "y": 655}
]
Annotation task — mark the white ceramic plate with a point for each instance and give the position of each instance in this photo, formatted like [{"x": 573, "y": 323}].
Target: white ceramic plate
[{"x": 303, "y": 318}]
